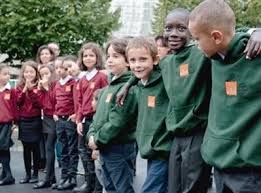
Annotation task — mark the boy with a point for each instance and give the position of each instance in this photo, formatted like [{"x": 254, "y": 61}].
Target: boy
[
  {"x": 232, "y": 140},
  {"x": 113, "y": 127},
  {"x": 154, "y": 141},
  {"x": 64, "y": 116}
]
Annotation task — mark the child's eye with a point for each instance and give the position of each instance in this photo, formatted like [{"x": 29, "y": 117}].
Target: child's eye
[
  {"x": 181, "y": 28},
  {"x": 168, "y": 28}
]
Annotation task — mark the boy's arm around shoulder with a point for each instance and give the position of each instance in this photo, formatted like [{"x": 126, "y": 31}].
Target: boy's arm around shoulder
[{"x": 119, "y": 119}]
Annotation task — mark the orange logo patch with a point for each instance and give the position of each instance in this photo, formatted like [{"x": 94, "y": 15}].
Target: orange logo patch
[
  {"x": 231, "y": 88},
  {"x": 108, "y": 98},
  {"x": 151, "y": 101},
  {"x": 7, "y": 96},
  {"x": 68, "y": 88},
  {"x": 92, "y": 86},
  {"x": 183, "y": 70}
]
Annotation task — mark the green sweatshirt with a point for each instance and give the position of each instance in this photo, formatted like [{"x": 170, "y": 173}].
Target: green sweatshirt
[
  {"x": 233, "y": 136},
  {"x": 187, "y": 79},
  {"x": 154, "y": 141},
  {"x": 113, "y": 124}
]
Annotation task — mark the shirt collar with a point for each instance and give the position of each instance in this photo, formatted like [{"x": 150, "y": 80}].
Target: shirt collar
[
  {"x": 221, "y": 55},
  {"x": 144, "y": 82},
  {"x": 90, "y": 74},
  {"x": 6, "y": 87},
  {"x": 65, "y": 80}
]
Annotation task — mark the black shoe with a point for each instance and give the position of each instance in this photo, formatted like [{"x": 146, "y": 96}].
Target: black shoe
[
  {"x": 68, "y": 185},
  {"x": 25, "y": 180},
  {"x": 7, "y": 181},
  {"x": 83, "y": 189},
  {"x": 42, "y": 184},
  {"x": 34, "y": 179}
]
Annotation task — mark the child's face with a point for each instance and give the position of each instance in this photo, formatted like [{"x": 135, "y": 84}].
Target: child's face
[
  {"x": 141, "y": 62},
  {"x": 60, "y": 70},
  {"x": 116, "y": 62},
  {"x": 45, "y": 56},
  {"x": 4, "y": 76},
  {"x": 29, "y": 74},
  {"x": 73, "y": 68},
  {"x": 45, "y": 73},
  {"x": 162, "y": 50},
  {"x": 176, "y": 30},
  {"x": 89, "y": 59},
  {"x": 205, "y": 42}
]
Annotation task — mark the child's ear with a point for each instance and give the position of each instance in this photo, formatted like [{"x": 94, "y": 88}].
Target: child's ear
[
  {"x": 217, "y": 36},
  {"x": 156, "y": 60}
]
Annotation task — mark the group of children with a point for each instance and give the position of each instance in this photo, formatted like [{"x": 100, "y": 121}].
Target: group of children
[{"x": 186, "y": 112}]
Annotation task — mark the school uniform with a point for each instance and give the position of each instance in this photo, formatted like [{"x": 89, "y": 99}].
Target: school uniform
[
  {"x": 90, "y": 82},
  {"x": 47, "y": 102},
  {"x": 8, "y": 115},
  {"x": 66, "y": 130},
  {"x": 153, "y": 138},
  {"x": 113, "y": 129},
  {"x": 232, "y": 140},
  {"x": 187, "y": 79},
  {"x": 30, "y": 129}
]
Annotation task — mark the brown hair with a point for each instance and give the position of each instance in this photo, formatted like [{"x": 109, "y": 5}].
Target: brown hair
[
  {"x": 214, "y": 14},
  {"x": 51, "y": 69},
  {"x": 95, "y": 48},
  {"x": 31, "y": 63},
  {"x": 40, "y": 49},
  {"x": 119, "y": 45},
  {"x": 144, "y": 42}
]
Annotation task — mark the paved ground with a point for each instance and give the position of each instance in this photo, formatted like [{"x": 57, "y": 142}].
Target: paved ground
[{"x": 18, "y": 172}]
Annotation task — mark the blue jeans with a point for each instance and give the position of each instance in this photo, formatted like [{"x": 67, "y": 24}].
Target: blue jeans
[
  {"x": 118, "y": 168},
  {"x": 241, "y": 180},
  {"x": 157, "y": 177},
  {"x": 67, "y": 136}
]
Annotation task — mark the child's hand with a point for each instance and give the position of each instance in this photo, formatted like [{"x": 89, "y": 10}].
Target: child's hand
[
  {"x": 72, "y": 118},
  {"x": 45, "y": 83},
  {"x": 30, "y": 84},
  {"x": 39, "y": 85},
  {"x": 253, "y": 48},
  {"x": 122, "y": 94},
  {"x": 92, "y": 145},
  {"x": 25, "y": 87},
  {"x": 79, "y": 129},
  {"x": 13, "y": 128},
  {"x": 95, "y": 154},
  {"x": 55, "y": 118}
]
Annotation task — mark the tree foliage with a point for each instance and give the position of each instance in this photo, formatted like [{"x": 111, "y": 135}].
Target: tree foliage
[
  {"x": 247, "y": 12},
  {"x": 28, "y": 24}
]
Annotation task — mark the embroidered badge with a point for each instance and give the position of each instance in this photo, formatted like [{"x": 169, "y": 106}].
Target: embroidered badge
[
  {"x": 151, "y": 101},
  {"x": 183, "y": 70},
  {"x": 7, "y": 96},
  {"x": 68, "y": 89},
  {"x": 108, "y": 98},
  {"x": 92, "y": 85},
  {"x": 231, "y": 88}
]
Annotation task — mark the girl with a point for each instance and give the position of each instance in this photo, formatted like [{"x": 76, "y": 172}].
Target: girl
[
  {"x": 113, "y": 128},
  {"x": 45, "y": 55},
  {"x": 47, "y": 102},
  {"x": 90, "y": 60},
  {"x": 30, "y": 123},
  {"x": 7, "y": 116}
]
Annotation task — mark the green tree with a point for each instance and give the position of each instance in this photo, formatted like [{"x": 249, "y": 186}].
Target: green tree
[
  {"x": 247, "y": 12},
  {"x": 28, "y": 24}
]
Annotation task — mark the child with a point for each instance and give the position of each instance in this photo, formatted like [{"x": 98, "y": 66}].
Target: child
[
  {"x": 47, "y": 101},
  {"x": 55, "y": 47},
  {"x": 162, "y": 46},
  {"x": 64, "y": 116},
  {"x": 154, "y": 141},
  {"x": 8, "y": 116},
  {"x": 113, "y": 127},
  {"x": 90, "y": 60},
  {"x": 45, "y": 55},
  {"x": 232, "y": 140},
  {"x": 30, "y": 123}
]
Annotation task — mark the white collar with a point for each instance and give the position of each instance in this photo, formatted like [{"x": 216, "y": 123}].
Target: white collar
[
  {"x": 79, "y": 76},
  {"x": 90, "y": 74},
  {"x": 6, "y": 87},
  {"x": 221, "y": 55},
  {"x": 144, "y": 82},
  {"x": 65, "y": 80}
]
